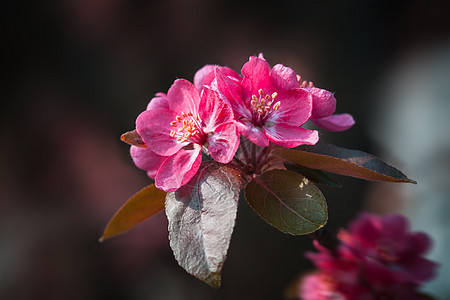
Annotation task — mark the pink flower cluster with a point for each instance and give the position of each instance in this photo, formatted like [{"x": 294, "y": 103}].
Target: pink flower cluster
[
  {"x": 378, "y": 258},
  {"x": 263, "y": 104}
]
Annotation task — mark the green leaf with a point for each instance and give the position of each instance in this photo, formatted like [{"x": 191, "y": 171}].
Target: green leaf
[
  {"x": 342, "y": 161},
  {"x": 316, "y": 176},
  {"x": 201, "y": 218},
  {"x": 288, "y": 201},
  {"x": 141, "y": 206}
]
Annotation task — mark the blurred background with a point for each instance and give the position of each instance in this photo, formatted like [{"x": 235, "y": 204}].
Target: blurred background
[{"x": 78, "y": 73}]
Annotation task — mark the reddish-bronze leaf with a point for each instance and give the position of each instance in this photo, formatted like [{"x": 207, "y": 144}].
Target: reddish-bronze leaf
[
  {"x": 133, "y": 138},
  {"x": 342, "y": 161},
  {"x": 141, "y": 206},
  {"x": 201, "y": 218}
]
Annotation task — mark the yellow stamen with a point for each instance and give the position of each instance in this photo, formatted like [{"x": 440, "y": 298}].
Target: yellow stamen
[{"x": 276, "y": 106}]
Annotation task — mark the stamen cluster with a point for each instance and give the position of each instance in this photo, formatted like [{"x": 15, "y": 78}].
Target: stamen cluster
[
  {"x": 188, "y": 128},
  {"x": 262, "y": 106}
]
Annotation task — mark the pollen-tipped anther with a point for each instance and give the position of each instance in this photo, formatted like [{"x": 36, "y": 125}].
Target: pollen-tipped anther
[{"x": 276, "y": 106}]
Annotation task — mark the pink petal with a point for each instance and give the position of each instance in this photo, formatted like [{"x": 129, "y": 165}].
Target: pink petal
[
  {"x": 421, "y": 269},
  {"x": 231, "y": 90},
  {"x": 224, "y": 143},
  {"x": 256, "y": 76},
  {"x": 295, "y": 108},
  {"x": 154, "y": 128},
  {"x": 147, "y": 160},
  {"x": 283, "y": 78},
  {"x": 253, "y": 133},
  {"x": 183, "y": 97},
  {"x": 159, "y": 101},
  {"x": 178, "y": 169},
  {"x": 205, "y": 74},
  {"x": 366, "y": 228},
  {"x": 291, "y": 136},
  {"x": 324, "y": 102},
  {"x": 336, "y": 122},
  {"x": 396, "y": 227},
  {"x": 420, "y": 242},
  {"x": 213, "y": 111}
]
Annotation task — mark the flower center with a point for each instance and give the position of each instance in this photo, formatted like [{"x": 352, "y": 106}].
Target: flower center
[
  {"x": 264, "y": 106},
  {"x": 188, "y": 128},
  {"x": 386, "y": 251}
]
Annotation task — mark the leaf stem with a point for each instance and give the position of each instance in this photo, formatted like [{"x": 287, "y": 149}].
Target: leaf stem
[
  {"x": 254, "y": 162},
  {"x": 244, "y": 150},
  {"x": 239, "y": 162}
]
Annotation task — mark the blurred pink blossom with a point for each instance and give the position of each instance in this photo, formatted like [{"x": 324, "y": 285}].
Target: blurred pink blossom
[{"x": 378, "y": 258}]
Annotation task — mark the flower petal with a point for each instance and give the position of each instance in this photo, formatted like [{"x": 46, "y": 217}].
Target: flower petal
[
  {"x": 253, "y": 133},
  {"x": 291, "y": 136},
  {"x": 147, "y": 160},
  {"x": 283, "y": 78},
  {"x": 421, "y": 269},
  {"x": 324, "y": 102},
  {"x": 295, "y": 108},
  {"x": 230, "y": 88},
  {"x": 224, "y": 142},
  {"x": 420, "y": 242},
  {"x": 256, "y": 76},
  {"x": 213, "y": 111},
  {"x": 154, "y": 128},
  {"x": 183, "y": 97},
  {"x": 206, "y": 75},
  {"x": 159, "y": 101},
  {"x": 336, "y": 122},
  {"x": 178, "y": 169}
]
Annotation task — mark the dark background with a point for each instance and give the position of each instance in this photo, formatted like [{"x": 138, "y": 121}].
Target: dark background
[{"x": 78, "y": 72}]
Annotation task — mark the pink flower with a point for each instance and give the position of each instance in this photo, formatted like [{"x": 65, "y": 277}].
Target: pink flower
[
  {"x": 176, "y": 127},
  {"x": 268, "y": 104},
  {"x": 324, "y": 106},
  {"x": 389, "y": 250},
  {"x": 377, "y": 257}
]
